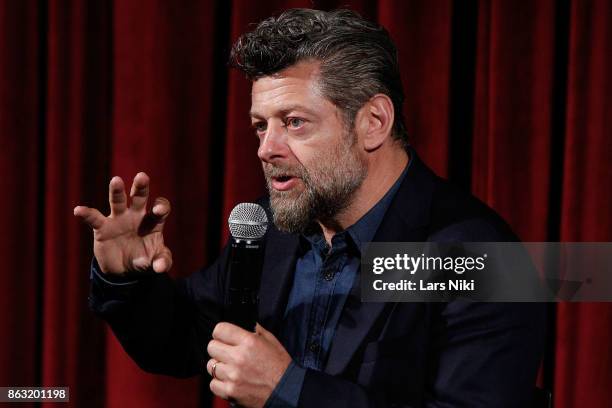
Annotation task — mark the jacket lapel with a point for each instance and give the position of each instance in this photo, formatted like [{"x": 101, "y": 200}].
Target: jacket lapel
[{"x": 405, "y": 221}]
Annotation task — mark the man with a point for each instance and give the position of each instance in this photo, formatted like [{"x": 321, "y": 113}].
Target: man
[{"x": 326, "y": 107}]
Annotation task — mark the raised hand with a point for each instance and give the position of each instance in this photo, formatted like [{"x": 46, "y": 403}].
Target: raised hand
[{"x": 130, "y": 239}]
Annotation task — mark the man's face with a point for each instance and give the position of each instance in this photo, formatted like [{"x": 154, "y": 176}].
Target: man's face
[{"x": 312, "y": 162}]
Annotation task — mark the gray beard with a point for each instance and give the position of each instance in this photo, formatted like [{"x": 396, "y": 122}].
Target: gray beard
[{"x": 328, "y": 190}]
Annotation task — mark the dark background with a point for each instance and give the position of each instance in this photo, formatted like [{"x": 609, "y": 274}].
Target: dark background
[{"x": 508, "y": 99}]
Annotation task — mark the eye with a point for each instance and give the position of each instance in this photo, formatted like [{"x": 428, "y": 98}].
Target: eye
[
  {"x": 260, "y": 127},
  {"x": 294, "y": 123}
]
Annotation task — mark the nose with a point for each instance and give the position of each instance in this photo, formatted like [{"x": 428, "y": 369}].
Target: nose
[{"x": 273, "y": 144}]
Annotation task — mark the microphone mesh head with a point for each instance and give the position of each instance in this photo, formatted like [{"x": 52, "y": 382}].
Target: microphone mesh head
[{"x": 248, "y": 221}]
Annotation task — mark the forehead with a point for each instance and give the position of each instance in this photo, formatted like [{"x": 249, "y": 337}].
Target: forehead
[{"x": 297, "y": 84}]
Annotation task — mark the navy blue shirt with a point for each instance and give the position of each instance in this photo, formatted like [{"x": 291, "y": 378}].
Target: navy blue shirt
[{"x": 323, "y": 279}]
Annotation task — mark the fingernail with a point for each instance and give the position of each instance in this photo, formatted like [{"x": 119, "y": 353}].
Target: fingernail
[
  {"x": 140, "y": 263},
  {"x": 159, "y": 265}
]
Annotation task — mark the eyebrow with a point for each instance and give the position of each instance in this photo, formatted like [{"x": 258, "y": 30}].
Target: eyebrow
[{"x": 285, "y": 111}]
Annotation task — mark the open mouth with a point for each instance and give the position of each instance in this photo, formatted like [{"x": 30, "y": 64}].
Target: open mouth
[{"x": 284, "y": 182}]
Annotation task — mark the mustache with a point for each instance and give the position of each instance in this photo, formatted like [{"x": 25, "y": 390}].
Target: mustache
[{"x": 275, "y": 170}]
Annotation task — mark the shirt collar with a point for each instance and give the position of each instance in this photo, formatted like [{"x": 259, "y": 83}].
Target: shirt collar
[{"x": 365, "y": 228}]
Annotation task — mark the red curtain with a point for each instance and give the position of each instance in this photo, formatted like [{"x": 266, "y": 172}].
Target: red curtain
[{"x": 507, "y": 99}]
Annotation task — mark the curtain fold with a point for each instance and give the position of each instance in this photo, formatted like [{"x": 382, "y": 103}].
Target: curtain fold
[
  {"x": 507, "y": 99},
  {"x": 511, "y": 147},
  {"x": 422, "y": 32},
  {"x": 584, "y": 331},
  {"x": 77, "y": 110},
  {"x": 20, "y": 172}
]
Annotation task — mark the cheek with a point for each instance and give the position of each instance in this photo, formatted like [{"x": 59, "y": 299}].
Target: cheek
[
  {"x": 310, "y": 152},
  {"x": 301, "y": 152}
]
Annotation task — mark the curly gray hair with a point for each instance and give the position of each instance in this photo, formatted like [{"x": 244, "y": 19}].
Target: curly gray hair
[{"x": 358, "y": 58}]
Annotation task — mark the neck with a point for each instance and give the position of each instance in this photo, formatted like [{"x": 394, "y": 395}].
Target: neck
[{"x": 384, "y": 168}]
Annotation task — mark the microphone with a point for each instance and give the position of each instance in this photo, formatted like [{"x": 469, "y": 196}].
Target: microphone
[{"x": 248, "y": 224}]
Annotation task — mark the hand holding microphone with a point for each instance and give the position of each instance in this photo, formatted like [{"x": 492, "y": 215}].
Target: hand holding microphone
[
  {"x": 247, "y": 361},
  {"x": 247, "y": 365}
]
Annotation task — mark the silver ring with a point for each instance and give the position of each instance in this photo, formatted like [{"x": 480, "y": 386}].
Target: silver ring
[{"x": 213, "y": 370}]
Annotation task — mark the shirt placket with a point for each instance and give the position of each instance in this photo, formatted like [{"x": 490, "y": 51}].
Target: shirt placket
[{"x": 324, "y": 291}]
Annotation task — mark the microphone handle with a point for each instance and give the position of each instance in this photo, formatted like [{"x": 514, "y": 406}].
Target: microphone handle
[{"x": 244, "y": 270}]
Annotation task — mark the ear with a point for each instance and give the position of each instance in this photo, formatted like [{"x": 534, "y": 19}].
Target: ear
[{"x": 374, "y": 121}]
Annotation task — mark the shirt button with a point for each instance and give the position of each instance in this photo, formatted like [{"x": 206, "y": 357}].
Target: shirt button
[
  {"x": 314, "y": 347},
  {"x": 328, "y": 275}
]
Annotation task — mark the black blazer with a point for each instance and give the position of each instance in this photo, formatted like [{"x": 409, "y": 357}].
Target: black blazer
[{"x": 456, "y": 354}]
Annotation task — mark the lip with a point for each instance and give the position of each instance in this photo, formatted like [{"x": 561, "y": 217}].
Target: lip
[{"x": 284, "y": 185}]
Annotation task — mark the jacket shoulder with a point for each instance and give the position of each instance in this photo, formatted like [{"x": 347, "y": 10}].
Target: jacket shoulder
[{"x": 456, "y": 215}]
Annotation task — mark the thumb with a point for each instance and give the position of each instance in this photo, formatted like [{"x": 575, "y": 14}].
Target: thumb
[
  {"x": 162, "y": 261},
  {"x": 270, "y": 338},
  {"x": 259, "y": 329}
]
